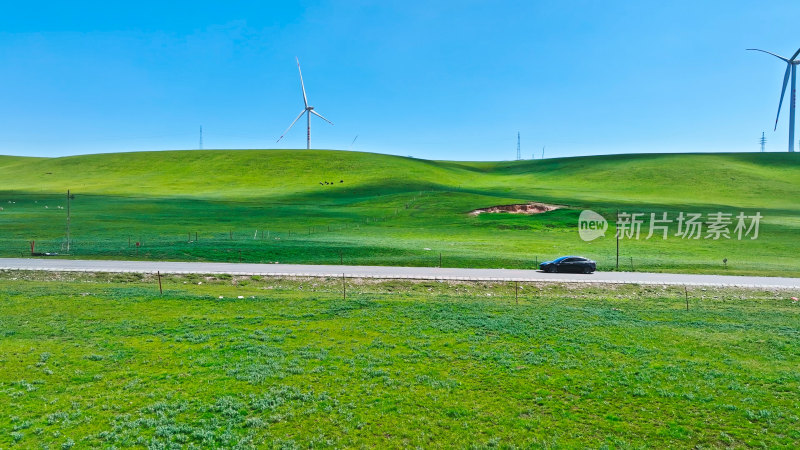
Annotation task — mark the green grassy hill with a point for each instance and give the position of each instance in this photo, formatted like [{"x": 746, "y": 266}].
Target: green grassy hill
[
  {"x": 760, "y": 179},
  {"x": 384, "y": 209}
]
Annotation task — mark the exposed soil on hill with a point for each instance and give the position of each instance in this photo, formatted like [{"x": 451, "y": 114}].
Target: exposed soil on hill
[{"x": 524, "y": 208}]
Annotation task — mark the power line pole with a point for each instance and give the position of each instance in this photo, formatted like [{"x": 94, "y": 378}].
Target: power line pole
[
  {"x": 68, "y": 218},
  {"x": 762, "y": 141},
  {"x": 519, "y": 154},
  {"x": 616, "y": 229},
  {"x": 201, "y": 137}
]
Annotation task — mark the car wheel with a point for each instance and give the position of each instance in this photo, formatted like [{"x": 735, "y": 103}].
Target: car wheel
[
  {"x": 587, "y": 270},
  {"x": 551, "y": 269}
]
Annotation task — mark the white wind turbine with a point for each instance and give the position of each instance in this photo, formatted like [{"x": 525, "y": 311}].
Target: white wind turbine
[
  {"x": 791, "y": 65},
  {"x": 308, "y": 110}
]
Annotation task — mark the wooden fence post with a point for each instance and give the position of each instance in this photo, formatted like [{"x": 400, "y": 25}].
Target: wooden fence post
[{"x": 686, "y": 293}]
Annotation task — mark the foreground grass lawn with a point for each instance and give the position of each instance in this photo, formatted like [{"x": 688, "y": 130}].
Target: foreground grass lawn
[{"x": 104, "y": 361}]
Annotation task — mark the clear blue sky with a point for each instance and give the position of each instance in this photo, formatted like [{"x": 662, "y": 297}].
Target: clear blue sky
[{"x": 443, "y": 80}]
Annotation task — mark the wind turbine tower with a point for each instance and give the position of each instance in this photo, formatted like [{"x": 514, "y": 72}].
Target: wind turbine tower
[
  {"x": 308, "y": 110},
  {"x": 519, "y": 154},
  {"x": 791, "y": 66}
]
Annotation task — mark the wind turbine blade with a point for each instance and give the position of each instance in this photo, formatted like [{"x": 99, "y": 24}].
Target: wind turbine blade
[
  {"x": 795, "y": 54},
  {"x": 290, "y": 126},
  {"x": 770, "y": 53},
  {"x": 783, "y": 92},
  {"x": 320, "y": 116},
  {"x": 303, "y": 86}
]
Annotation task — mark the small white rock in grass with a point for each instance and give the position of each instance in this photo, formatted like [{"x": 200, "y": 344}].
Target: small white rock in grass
[
  {"x": 221, "y": 297},
  {"x": 241, "y": 296},
  {"x": 199, "y": 282}
]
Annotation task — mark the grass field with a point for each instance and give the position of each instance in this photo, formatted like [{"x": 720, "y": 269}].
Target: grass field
[
  {"x": 103, "y": 361},
  {"x": 269, "y": 206}
]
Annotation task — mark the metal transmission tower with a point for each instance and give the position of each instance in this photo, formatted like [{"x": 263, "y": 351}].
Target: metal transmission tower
[
  {"x": 762, "y": 141},
  {"x": 519, "y": 154},
  {"x": 791, "y": 69},
  {"x": 201, "y": 137}
]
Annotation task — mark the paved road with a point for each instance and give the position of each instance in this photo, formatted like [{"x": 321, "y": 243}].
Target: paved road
[{"x": 425, "y": 273}]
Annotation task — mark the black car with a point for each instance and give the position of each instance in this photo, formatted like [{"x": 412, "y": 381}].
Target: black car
[{"x": 577, "y": 264}]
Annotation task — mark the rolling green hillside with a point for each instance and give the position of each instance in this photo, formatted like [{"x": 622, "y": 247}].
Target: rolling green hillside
[
  {"x": 274, "y": 205},
  {"x": 756, "y": 179}
]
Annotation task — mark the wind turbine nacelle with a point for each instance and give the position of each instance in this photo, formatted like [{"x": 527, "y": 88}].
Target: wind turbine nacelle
[{"x": 309, "y": 107}]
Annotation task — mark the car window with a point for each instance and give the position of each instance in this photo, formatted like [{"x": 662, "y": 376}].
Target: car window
[{"x": 558, "y": 260}]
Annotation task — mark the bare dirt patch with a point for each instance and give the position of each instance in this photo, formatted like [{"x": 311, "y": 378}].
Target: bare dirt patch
[{"x": 523, "y": 208}]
